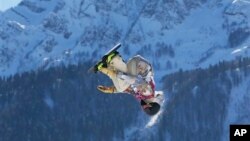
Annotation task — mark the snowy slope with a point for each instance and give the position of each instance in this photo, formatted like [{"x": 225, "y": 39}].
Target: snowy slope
[{"x": 39, "y": 34}]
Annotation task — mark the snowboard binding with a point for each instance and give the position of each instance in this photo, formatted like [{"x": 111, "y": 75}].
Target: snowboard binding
[{"x": 106, "y": 59}]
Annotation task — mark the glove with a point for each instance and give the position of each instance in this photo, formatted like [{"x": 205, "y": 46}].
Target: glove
[
  {"x": 105, "y": 89},
  {"x": 99, "y": 65}
]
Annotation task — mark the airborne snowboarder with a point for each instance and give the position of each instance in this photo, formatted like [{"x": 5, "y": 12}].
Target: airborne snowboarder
[{"x": 134, "y": 77}]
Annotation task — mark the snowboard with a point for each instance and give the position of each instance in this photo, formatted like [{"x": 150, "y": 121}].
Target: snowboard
[{"x": 105, "y": 57}]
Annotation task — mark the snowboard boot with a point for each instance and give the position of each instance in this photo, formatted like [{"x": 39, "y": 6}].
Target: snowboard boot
[
  {"x": 108, "y": 90},
  {"x": 107, "y": 58},
  {"x": 100, "y": 65},
  {"x": 105, "y": 61}
]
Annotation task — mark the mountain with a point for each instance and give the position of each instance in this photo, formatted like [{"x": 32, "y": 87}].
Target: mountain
[
  {"x": 40, "y": 34},
  {"x": 199, "y": 50}
]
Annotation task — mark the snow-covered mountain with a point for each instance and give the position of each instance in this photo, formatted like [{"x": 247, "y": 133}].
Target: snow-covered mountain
[
  {"x": 56, "y": 103},
  {"x": 181, "y": 34}
]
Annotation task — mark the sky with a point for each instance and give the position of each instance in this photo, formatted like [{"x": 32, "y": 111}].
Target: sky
[{"x": 6, "y": 4}]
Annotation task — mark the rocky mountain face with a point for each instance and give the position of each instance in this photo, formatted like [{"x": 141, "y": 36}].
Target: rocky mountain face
[{"x": 40, "y": 34}]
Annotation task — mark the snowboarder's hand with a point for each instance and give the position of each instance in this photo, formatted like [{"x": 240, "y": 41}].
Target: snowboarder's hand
[{"x": 105, "y": 89}]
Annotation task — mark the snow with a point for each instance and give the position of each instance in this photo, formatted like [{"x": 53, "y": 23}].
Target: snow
[
  {"x": 235, "y": 1},
  {"x": 49, "y": 102},
  {"x": 154, "y": 119},
  {"x": 236, "y": 51},
  {"x": 238, "y": 106},
  {"x": 239, "y": 50},
  {"x": 18, "y": 24},
  {"x": 147, "y": 124},
  {"x": 194, "y": 90},
  {"x": 192, "y": 39},
  {"x": 245, "y": 1},
  {"x": 161, "y": 99},
  {"x": 45, "y": 59},
  {"x": 199, "y": 40}
]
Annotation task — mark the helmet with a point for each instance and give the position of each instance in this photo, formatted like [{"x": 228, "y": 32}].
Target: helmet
[{"x": 150, "y": 108}]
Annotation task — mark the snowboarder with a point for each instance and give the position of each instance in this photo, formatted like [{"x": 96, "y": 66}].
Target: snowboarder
[{"x": 135, "y": 77}]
